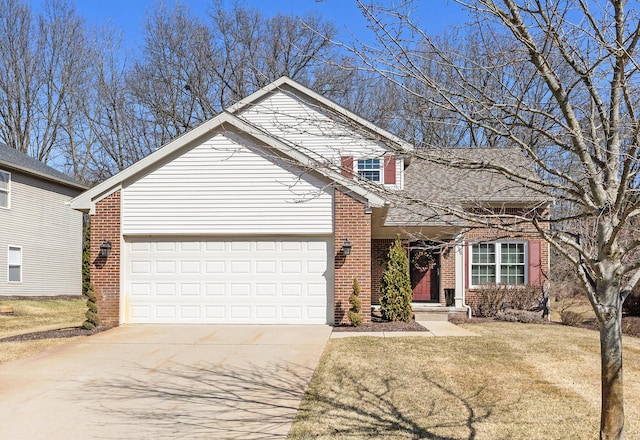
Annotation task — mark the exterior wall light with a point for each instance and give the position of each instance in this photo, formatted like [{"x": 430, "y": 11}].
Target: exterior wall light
[
  {"x": 346, "y": 247},
  {"x": 105, "y": 249}
]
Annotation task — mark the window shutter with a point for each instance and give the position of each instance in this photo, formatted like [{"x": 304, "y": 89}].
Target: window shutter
[
  {"x": 535, "y": 263},
  {"x": 347, "y": 166},
  {"x": 390, "y": 169}
]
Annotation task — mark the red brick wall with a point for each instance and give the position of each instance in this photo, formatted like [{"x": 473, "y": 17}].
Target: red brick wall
[
  {"x": 351, "y": 221},
  {"x": 105, "y": 272},
  {"x": 447, "y": 272}
]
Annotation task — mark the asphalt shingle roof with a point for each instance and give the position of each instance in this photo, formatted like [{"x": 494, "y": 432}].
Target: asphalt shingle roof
[
  {"x": 13, "y": 158},
  {"x": 438, "y": 183}
]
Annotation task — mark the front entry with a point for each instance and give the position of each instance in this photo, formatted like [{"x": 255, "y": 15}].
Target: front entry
[{"x": 424, "y": 267}]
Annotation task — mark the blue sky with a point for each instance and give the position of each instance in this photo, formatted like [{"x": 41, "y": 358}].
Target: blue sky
[{"x": 129, "y": 15}]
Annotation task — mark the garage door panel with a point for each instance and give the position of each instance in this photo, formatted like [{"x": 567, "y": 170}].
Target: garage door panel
[{"x": 227, "y": 281}]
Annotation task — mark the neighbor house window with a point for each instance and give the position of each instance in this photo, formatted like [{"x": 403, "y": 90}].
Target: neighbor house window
[
  {"x": 15, "y": 264},
  {"x": 370, "y": 169},
  {"x": 5, "y": 182},
  {"x": 503, "y": 263}
]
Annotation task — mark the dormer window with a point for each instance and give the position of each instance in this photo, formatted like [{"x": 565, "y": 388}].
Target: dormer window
[
  {"x": 5, "y": 183},
  {"x": 370, "y": 169}
]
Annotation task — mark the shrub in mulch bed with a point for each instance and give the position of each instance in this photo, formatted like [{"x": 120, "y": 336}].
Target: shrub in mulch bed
[
  {"x": 378, "y": 324},
  {"x": 515, "y": 315}
]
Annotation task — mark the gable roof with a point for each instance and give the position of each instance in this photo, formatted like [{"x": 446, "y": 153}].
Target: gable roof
[
  {"x": 287, "y": 84},
  {"x": 224, "y": 121},
  {"x": 13, "y": 159},
  {"x": 467, "y": 186}
]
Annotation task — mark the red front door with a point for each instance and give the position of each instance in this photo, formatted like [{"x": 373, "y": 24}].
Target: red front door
[{"x": 424, "y": 275}]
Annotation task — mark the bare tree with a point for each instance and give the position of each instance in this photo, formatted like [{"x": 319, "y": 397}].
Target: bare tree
[
  {"x": 173, "y": 80},
  {"x": 18, "y": 74},
  {"x": 44, "y": 67},
  {"x": 255, "y": 50},
  {"x": 559, "y": 80}
]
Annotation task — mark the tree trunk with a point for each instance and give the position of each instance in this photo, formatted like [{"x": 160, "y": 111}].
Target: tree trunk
[{"x": 612, "y": 414}]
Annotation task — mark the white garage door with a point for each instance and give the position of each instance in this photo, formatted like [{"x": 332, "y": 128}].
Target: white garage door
[{"x": 262, "y": 281}]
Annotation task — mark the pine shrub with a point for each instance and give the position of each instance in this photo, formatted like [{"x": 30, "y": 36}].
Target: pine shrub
[
  {"x": 86, "y": 260},
  {"x": 395, "y": 291},
  {"x": 356, "y": 305},
  {"x": 92, "y": 320}
]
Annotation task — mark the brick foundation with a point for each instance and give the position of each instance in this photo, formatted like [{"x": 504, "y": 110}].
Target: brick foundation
[
  {"x": 105, "y": 272},
  {"x": 351, "y": 221}
]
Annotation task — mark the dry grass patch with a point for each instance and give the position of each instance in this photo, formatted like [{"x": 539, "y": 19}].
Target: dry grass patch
[
  {"x": 516, "y": 381},
  {"x": 32, "y": 316}
]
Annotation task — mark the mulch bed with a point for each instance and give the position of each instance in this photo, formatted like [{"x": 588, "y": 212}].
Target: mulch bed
[
  {"x": 630, "y": 325},
  {"x": 377, "y": 324},
  {"x": 53, "y": 334},
  {"x": 39, "y": 298}
]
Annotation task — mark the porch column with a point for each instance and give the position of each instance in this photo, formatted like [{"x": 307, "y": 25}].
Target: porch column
[{"x": 459, "y": 271}]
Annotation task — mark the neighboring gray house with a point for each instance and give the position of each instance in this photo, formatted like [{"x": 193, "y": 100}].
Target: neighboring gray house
[{"x": 40, "y": 235}]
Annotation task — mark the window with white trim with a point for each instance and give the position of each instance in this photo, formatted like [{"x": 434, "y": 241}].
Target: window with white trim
[
  {"x": 5, "y": 187},
  {"x": 15, "y": 264},
  {"x": 370, "y": 169},
  {"x": 501, "y": 262}
]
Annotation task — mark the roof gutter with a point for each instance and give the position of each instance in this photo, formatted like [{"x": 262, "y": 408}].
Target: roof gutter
[{"x": 45, "y": 176}]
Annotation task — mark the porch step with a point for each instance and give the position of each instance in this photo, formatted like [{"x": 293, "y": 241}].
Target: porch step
[
  {"x": 431, "y": 316},
  {"x": 424, "y": 312}
]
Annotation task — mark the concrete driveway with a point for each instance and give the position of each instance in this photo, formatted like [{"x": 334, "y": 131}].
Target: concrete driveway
[{"x": 163, "y": 382}]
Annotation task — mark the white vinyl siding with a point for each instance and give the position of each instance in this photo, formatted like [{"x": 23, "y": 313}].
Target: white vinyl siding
[
  {"x": 227, "y": 185},
  {"x": 14, "y": 264},
  {"x": 5, "y": 189},
  {"x": 228, "y": 280},
  {"x": 49, "y": 232},
  {"x": 288, "y": 117}
]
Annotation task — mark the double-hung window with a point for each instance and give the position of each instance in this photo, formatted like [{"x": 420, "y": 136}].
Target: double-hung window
[
  {"x": 15, "y": 264},
  {"x": 503, "y": 262},
  {"x": 5, "y": 188},
  {"x": 370, "y": 169}
]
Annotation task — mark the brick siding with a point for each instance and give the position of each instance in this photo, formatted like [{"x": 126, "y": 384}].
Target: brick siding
[
  {"x": 447, "y": 272},
  {"x": 351, "y": 221},
  {"x": 105, "y": 272}
]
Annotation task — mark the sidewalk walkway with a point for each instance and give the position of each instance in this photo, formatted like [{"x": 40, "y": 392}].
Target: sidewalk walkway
[{"x": 434, "y": 328}]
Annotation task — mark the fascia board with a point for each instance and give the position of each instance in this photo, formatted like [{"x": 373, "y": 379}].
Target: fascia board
[{"x": 26, "y": 170}]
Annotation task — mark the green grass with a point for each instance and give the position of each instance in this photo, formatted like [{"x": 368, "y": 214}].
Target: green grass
[
  {"x": 33, "y": 316},
  {"x": 516, "y": 381}
]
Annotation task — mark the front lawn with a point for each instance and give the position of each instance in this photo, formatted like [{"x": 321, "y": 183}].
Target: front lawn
[
  {"x": 33, "y": 316},
  {"x": 516, "y": 381}
]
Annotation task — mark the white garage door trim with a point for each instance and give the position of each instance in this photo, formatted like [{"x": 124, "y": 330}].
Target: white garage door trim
[{"x": 224, "y": 280}]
